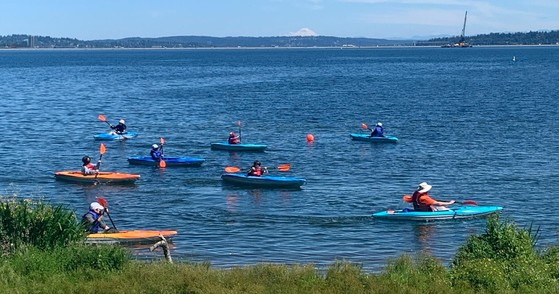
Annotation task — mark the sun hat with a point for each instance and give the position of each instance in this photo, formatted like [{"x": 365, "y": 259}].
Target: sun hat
[
  {"x": 121, "y": 121},
  {"x": 95, "y": 206},
  {"x": 424, "y": 187},
  {"x": 379, "y": 124},
  {"x": 154, "y": 146}
]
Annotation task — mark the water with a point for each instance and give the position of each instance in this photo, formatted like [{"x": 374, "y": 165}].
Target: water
[{"x": 473, "y": 123}]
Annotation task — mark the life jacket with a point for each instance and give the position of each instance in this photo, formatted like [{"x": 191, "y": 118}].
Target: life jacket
[
  {"x": 88, "y": 169},
  {"x": 120, "y": 128},
  {"x": 96, "y": 225},
  {"x": 256, "y": 172},
  {"x": 233, "y": 140},
  {"x": 155, "y": 154},
  {"x": 416, "y": 204},
  {"x": 378, "y": 132}
]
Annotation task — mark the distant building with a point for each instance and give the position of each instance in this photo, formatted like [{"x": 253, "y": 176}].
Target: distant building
[{"x": 32, "y": 41}]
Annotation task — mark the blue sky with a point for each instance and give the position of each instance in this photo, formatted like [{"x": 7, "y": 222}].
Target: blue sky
[{"x": 113, "y": 19}]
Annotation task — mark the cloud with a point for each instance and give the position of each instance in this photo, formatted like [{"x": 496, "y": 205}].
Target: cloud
[{"x": 304, "y": 32}]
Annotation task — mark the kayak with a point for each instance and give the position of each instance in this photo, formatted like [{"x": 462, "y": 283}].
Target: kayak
[
  {"x": 102, "y": 177},
  {"x": 113, "y": 136},
  {"x": 129, "y": 237},
  {"x": 238, "y": 147},
  {"x": 454, "y": 213},
  {"x": 170, "y": 161},
  {"x": 263, "y": 181},
  {"x": 368, "y": 138}
]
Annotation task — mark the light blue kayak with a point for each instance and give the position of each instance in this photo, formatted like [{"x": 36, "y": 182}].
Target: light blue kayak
[
  {"x": 263, "y": 181},
  {"x": 368, "y": 138},
  {"x": 170, "y": 161},
  {"x": 461, "y": 212},
  {"x": 238, "y": 147},
  {"x": 112, "y": 136}
]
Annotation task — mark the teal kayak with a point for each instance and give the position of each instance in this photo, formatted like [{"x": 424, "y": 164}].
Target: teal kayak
[
  {"x": 461, "y": 212},
  {"x": 368, "y": 138},
  {"x": 238, "y": 147},
  {"x": 263, "y": 181},
  {"x": 112, "y": 136}
]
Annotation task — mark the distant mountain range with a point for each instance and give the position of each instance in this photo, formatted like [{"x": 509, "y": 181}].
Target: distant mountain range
[{"x": 28, "y": 41}]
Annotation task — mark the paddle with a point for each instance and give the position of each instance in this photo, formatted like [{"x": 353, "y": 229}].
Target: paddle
[
  {"x": 407, "y": 198},
  {"x": 103, "y": 203},
  {"x": 282, "y": 168},
  {"x": 102, "y": 118},
  {"x": 162, "y": 163},
  {"x": 365, "y": 127},
  {"x": 101, "y": 152},
  {"x": 238, "y": 123}
]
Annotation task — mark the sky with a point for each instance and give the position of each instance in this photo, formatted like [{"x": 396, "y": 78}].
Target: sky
[{"x": 386, "y": 19}]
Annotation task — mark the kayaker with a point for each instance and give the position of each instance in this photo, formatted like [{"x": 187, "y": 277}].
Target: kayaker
[
  {"x": 89, "y": 168},
  {"x": 156, "y": 152},
  {"x": 120, "y": 128},
  {"x": 378, "y": 131},
  {"x": 233, "y": 138},
  {"x": 256, "y": 170},
  {"x": 93, "y": 219},
  {"x": 423, "y": 202}
]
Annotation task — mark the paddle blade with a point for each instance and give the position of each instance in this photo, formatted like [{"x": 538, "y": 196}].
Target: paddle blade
[
  {"x": 102, "y": 201},
  {"x": 364, "y": 126},
  {"x": 102, "y": 118},
  {"x": 162, "y": 141},
  {"x": 284, "y": 167},
  {"x": 469, "y": 202},
  {"x": 162, "y": 163},
  {"x": 238, "y": 123},
  {"x": 102, "y": 148},
  {"x": 232, "y": 169},
  {"x": 406, "y": 198}
]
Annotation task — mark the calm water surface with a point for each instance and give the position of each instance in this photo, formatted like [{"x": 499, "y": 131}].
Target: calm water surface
[{"x": 473, "y": 123}]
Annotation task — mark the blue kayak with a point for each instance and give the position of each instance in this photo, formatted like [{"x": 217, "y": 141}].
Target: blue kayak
[
  {"x": 454, "y": 213},
  {"x": 368, "y": 138},
  {"x": 238, "y": 147},
  {"x": 113, "y": 136},
  {"x": 170, "y": 161},
  {"x": 263, "y": 181}
]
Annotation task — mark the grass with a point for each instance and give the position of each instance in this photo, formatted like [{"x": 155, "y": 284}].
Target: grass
[{"x": 501, "y": 260}]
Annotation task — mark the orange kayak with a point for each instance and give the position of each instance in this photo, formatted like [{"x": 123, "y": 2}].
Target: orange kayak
[
  {"x": 102, "y": 177},
  {"x": 130, "y": 237}
]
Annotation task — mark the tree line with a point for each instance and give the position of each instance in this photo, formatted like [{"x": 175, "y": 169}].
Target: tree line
[{"x": 29, "y": 41}]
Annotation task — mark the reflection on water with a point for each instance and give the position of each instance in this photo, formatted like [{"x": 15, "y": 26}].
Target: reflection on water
[{"x": 424, "y": 234}]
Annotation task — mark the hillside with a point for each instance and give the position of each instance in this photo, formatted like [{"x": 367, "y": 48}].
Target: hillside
[{"x": 27, "y": 41}]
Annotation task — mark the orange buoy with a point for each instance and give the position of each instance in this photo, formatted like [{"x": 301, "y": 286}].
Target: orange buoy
[{"x": 310, "y": 138}]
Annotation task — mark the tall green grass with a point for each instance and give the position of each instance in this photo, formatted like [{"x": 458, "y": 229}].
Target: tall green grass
[
  {"x": 503, "y": 259},
  {"x": 24, "y": 223}
]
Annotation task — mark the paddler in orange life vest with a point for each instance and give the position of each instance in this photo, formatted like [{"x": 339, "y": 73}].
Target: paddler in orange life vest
[
  {"x": 89, "y": 168},
  {"x": 256, "y": 170},
  {"x": 233, "y": 138},
  {"x": 423, "y": 202}
]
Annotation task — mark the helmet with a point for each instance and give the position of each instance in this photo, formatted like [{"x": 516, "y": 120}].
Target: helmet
[
  {"x": 257, "y": 162},
  {"x": 379, "y": 124},
  {"x": 121, "y": 121},
  {"x": 154, "y": 146},
  {"x": 86, "y": 159},
  {"x": 96, "y": 205}
]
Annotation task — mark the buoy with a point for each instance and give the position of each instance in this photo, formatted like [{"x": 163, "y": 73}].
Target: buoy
[{"x": 310, "y": 138}]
